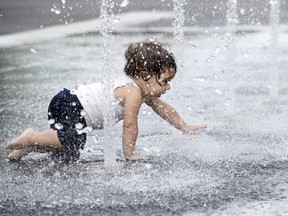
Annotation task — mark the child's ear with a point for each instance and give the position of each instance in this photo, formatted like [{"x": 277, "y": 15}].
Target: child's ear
[{"x": 145, "y": 75}]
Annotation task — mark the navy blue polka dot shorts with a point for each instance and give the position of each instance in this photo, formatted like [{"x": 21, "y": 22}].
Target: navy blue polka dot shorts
[{"x": 64, "y": 115}]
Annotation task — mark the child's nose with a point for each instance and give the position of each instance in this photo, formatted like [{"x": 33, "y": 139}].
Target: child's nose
[{"x": 167, "y": 86}]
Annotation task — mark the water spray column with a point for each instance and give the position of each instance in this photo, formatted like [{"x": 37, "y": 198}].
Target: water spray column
[
  {"x": 232, "y": 20},
  {"x": 178, "y": 32},
  {"x": 274, "y": 27},
  {"x": 108, "y": 110},
  {"x": 177, "y": 47}
]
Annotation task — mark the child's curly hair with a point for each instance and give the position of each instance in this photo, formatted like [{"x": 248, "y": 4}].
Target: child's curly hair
[{"x": 149, "y": 57}]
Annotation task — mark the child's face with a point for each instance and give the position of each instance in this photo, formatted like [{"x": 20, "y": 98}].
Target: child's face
[{"x": 156, "y": 86}]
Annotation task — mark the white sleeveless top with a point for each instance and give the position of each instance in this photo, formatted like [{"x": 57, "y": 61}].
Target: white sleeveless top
[{"x": 92, "y": 97}]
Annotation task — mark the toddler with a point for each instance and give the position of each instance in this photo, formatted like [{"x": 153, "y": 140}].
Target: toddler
[{"x": 148, "y": 71}]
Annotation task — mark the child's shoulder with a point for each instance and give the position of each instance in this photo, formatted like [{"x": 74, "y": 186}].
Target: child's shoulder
[
  {"x": 129, "y": 92},
  {"x": 123, "y": 81}
]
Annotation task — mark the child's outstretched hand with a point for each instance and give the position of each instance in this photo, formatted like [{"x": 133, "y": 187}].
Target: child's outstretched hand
[
  {"x": 192, "y": 128},
  {"x": 137, "y": 156}
]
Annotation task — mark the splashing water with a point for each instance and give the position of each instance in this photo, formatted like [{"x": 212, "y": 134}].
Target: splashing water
[
  {"x": 108, "y": 111},
  {"x": 274, "y": 26},
  {"x": 232, "y": 20},
  {"x": 124, "y": 3}
]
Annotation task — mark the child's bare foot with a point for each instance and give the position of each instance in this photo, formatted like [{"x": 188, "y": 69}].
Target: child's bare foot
[
  {"x": 137, "y": 156},
  {"x": 18, "y": 154},
  {"x": 21, "y": 141}
]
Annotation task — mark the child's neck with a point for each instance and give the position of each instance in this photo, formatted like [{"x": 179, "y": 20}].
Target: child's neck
[{"x": 140, "y": 83}]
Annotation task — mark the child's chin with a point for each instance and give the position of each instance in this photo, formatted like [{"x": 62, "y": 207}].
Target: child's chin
[{"x": 156, "y": 96}]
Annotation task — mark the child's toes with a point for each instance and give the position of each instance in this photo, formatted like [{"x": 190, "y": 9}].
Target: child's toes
[
  {"x": 9, "y": 145},
  {"x": 18, "y": 154}
]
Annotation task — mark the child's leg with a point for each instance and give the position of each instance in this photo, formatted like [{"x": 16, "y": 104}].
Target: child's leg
[{"x": 38, "y": 140}]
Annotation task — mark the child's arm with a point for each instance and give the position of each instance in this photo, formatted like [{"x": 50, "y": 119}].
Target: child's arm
[
  {"x": 132, "y": 103},
  {"x": 169, "y": 114}
]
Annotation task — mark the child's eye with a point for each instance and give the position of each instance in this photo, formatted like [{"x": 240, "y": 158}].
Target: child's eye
[{"x": 166, "y": 82}]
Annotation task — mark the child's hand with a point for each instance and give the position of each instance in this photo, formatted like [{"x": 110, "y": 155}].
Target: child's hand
[
  {"x": 192, "y": 128},
  {"x": 137, "y": 156}
]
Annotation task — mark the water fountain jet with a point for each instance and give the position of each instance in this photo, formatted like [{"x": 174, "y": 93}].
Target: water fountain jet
[
  {"x": 232, "y": 20},
  {"x": 178, "y": 32},
  {"x": 274, "y": 34},
  {"x": 108, "y": 110}
]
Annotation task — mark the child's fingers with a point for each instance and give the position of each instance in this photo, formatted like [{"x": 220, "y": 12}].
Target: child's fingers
[
  {"x": 203, "y": 126},
  {"x": 196, "y": 127},
  {"x": 193, "y": 128}
]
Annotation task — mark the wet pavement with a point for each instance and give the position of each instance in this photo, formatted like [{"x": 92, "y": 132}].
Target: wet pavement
[{"x": 239, "y": 164}]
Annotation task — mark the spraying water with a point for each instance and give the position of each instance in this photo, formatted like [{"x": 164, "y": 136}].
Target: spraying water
[
  {"x": 178, "y": 23},
  {"x": 178, "y": 48},
  {"x": 274, "y": 26},
  {"x": 108, "y": 111},
  {"x": 205, "y": 174},
  {"x": 232, "y": 20}
]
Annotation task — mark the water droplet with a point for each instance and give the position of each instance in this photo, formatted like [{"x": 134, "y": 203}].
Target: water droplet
[
  {"x": 79, "y": 125},
  {"x": 82, "y": 113},
  {"x": 210, "y": 58},
  {"x": 124, "y": 3},
  {"x": 87, "y": 129},
  {"x": 55, "y": 10},
  {"x": 152, "y": 39},
  {"x": 73, "y": 103},
  {"x": 51, "y": 121},
  {"x": 217, "y": 50},
  {"x": 116, "y": 19},
  {"x": 272, "y": 2},
  {"x": 84, "y": 130},
  {"x": 245, "y": 54},
  {"x": 242, "y": 11},
  {"x": 58, "y": 126},
  {"x": 218, "y": 91},
  {"x": 148, "y": 166},
  {"x": 33, "y": 50},
  {"x": 189, "y": 108}
]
